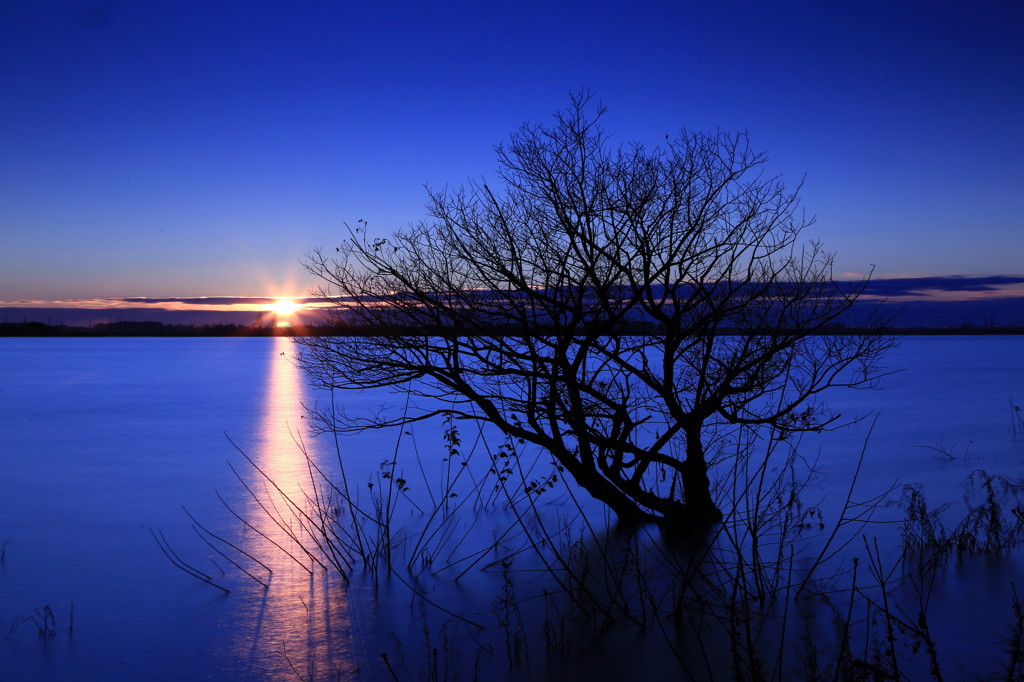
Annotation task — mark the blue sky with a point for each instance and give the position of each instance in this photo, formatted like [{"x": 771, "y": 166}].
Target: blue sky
[{"x": 184, "y": 149}]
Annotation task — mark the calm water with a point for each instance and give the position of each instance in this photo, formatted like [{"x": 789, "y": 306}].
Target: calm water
[{"x": 103, "y": 440}]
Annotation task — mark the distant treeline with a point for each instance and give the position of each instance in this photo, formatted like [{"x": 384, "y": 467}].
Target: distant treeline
[
  {"x": 132, "y": 329},
  {"x": 161, "y": 329}
]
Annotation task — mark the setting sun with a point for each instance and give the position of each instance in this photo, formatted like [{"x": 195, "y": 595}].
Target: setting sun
[{"x": 283, "y": 307}]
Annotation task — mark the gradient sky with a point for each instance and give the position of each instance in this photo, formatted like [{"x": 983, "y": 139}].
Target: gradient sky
[{"x": 167, "y": 148}]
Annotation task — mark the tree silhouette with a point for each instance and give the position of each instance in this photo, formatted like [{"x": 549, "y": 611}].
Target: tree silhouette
[{"x": 617, "y": 306}]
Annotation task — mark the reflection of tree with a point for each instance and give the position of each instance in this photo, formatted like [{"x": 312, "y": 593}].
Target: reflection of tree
[{"x": 613, "y": 305}]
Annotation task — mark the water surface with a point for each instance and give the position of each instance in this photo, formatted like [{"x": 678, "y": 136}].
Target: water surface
[{"x": 104, "y": 440}]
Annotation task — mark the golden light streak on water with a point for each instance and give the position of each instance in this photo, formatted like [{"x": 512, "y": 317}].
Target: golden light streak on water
[{"x": 298, "y": 625}]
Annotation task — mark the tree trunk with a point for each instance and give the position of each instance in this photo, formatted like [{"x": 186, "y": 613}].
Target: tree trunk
[
  {"x": 700, "y": 507},
  {"x": 625, "y": 507},
  {"x": 695, "y": 514}
]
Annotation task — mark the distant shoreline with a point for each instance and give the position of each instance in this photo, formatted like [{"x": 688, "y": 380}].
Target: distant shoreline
[{"x": 159, "y": 329}]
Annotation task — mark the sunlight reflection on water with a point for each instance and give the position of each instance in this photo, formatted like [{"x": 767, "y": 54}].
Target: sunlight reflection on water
[{"x": 299, "y": 624}]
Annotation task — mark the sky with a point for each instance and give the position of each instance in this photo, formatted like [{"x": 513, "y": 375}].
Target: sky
[{"x": 173, "y": 149}]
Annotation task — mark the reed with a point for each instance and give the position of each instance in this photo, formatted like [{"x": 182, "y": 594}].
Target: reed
[
  {"x": 43, "y": 622},
  {"x": 1016, "y": 421},
  {"x": 785, "y": 587}
]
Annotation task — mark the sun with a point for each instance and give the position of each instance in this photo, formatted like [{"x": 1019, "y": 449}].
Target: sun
[{"x": 284, "y": 307}]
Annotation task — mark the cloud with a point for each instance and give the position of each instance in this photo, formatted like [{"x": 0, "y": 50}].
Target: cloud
[
  {"x": 947, "y": 288},
  {"x": 213, "y": 300},
  {"x": 893, "y": 289},
  {"x": 222, "y": 303}
]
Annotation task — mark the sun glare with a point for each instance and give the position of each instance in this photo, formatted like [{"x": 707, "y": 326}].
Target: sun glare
[{"x": 283, "y": 307}]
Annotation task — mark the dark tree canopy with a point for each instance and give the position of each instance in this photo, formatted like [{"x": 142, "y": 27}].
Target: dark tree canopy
[{"x": 614, "y": 305}]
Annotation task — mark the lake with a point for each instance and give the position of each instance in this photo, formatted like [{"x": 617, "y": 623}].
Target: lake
[{"x": 105, "y": 440}]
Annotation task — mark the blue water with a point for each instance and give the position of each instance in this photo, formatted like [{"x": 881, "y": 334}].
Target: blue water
[{"x": 102, "y": 440}]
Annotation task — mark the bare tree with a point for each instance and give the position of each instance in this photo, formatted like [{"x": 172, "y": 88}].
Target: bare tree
[{"x": 617, "y": 306}]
